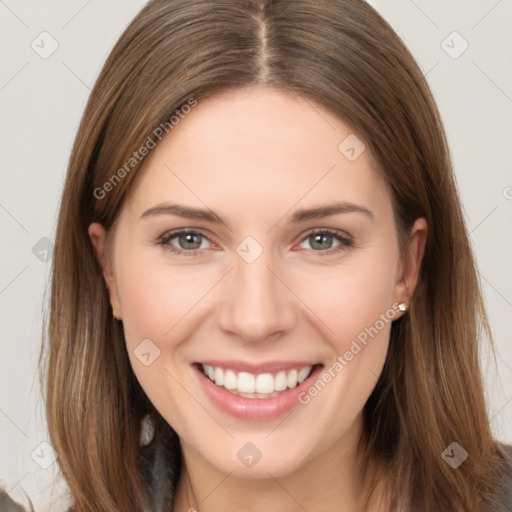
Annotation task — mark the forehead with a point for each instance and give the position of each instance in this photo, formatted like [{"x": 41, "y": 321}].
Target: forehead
[{"x": 245, "y": 149}]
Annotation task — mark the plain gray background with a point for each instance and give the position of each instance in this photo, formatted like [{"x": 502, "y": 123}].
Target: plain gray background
[{"x": 41, "y": 102}]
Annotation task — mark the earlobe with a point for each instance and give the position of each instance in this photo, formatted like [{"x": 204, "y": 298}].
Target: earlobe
[{"x": 97, "y": 235}]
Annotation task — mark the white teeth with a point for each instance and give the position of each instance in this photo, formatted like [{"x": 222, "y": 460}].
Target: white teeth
[
  {"x": 229, "y": 379},
  {"x": 246, "y": 383},
  {"x": 280, "y": 383},
  {"x": 303, "y": 375},
  {"x": 292, "y": 379},
  {"x": 219, "y": 377},
  {"x": 265, "y": 385}
]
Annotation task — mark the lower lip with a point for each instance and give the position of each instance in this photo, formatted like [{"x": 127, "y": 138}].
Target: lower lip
[{"x": 254, "y": 409}]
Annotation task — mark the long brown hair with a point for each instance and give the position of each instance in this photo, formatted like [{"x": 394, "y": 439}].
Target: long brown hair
[{"x": 344, "y": 56}]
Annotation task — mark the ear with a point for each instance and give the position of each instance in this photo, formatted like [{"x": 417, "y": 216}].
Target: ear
[
  {"x": 411, "y": 264},
  {"x": 97, "y": 234}
]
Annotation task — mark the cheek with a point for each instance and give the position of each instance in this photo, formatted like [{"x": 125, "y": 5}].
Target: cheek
[
  {"x": 157, "y": 302},
  {"x": 356, "y": 305},
  {"x": 352, "y": 298},
  {"x": 156, "y": 298}
]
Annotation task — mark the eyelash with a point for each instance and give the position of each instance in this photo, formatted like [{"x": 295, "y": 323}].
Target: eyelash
[{"x": 345, "y": 241}]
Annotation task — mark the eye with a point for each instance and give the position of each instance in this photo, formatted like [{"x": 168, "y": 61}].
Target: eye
[
  {"x": 189, "y": 242},
  {"x": 321, "y": 241}
]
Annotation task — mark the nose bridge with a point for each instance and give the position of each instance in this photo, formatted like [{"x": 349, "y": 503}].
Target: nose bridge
[{"x": 256, "y": 304}]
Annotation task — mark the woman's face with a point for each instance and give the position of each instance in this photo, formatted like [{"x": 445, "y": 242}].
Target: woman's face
[{"x": 287, "y": 268}]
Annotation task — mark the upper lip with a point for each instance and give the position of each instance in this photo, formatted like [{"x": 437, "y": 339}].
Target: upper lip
[{"x": 258, "y": 368}]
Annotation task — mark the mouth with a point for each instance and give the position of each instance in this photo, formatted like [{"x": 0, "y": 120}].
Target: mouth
[
  {"x": 259, "y": 386},
  {"x": 254, "y": 392}
]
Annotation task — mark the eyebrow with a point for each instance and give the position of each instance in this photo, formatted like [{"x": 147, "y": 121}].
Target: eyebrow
[{"x": 299, "y": 216}]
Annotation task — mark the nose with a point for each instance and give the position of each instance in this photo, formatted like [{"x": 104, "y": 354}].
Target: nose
[{"x": 257, "y": 304}]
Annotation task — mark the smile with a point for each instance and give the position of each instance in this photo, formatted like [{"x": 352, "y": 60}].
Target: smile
[
  {"x": 255, "y": 392},
  {"x": 264, "y": 385}
]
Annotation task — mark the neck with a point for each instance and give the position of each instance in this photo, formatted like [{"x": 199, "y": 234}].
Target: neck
[{"x": 328, "y": 482}]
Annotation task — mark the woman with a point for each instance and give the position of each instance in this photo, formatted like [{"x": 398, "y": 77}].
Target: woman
[{"x": 205, "y": 350}]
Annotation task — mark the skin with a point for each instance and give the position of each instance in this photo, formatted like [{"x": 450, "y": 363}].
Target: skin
[{"x": 254, "y": 157}]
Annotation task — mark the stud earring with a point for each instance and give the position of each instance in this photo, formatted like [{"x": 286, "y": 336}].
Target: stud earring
[{"x": 402, "y": 306}]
